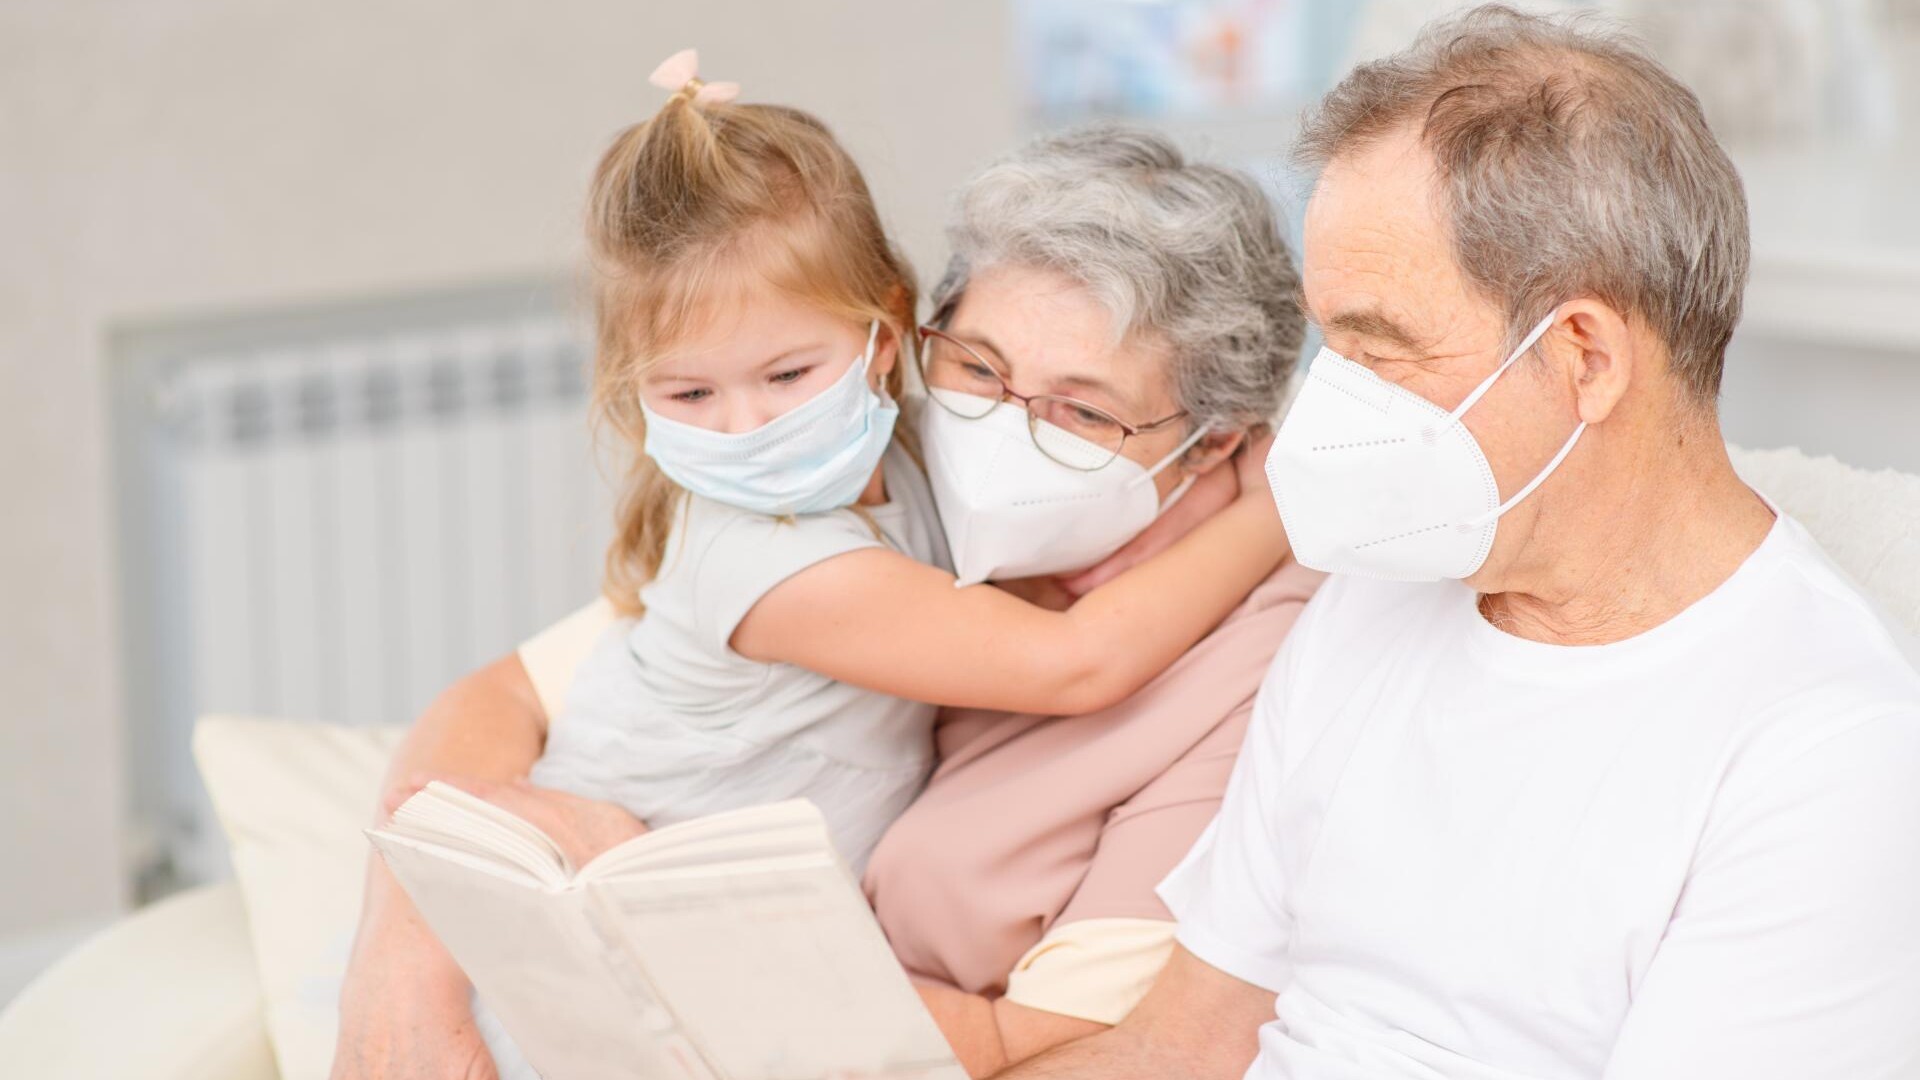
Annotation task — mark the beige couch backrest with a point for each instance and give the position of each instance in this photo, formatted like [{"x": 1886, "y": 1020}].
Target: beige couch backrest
[{"x": 1869, "y": 522}]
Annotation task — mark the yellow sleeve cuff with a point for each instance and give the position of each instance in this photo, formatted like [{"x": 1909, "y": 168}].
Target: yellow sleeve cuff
[
  {"x": 554, "y": 654},
  {"x": 1093, "y": 969}
]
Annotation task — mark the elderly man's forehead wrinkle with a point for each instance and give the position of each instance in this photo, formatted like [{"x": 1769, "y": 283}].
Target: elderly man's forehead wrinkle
[
  {"x": 1372, "y": 262},
  {"x": 1379, "y": 262},
  {"x": 1369, "y": 263}
]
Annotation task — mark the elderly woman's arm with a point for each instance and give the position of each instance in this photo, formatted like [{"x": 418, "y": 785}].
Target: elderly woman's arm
[
  {"x": 1197, "y": 1023},
  {"x": 404, "y": 1009},
  {"x": 1112, "y": 940},
  {"x": 991, "y": 1034}
]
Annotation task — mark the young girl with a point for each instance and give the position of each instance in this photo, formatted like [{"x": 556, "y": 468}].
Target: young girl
[{"x": 777, "y": 539}]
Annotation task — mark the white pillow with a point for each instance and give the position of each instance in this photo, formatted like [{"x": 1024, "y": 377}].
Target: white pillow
[
  {"x": 293, "y": 798},
  {"x": 1868, "y": 522},
  {"x": 554, "y": 654}
]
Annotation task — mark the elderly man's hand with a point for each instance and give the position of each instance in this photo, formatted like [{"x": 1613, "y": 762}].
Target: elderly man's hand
[{"x": 580, "y": 827}]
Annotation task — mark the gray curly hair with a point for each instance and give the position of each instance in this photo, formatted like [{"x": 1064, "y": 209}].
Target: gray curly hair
[{"x": 1180, "y": 252}]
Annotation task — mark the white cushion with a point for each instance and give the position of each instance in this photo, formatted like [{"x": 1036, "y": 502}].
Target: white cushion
[
  {"x": 168, "y": 993},
  {"x": 551, "y": 656},
  {"x": 293, "y": 798},
  {"x": 1868, "y": 522}
]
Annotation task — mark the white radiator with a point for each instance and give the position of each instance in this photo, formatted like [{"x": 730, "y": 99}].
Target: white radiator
[{"x": 332, "y": 515}]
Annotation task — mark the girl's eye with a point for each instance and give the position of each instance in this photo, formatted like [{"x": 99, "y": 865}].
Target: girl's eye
[
  {"x": 786, "y": 377},
  {"x": 692, "y": 395}
]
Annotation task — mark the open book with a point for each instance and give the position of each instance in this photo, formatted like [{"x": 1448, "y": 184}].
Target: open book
[{"x": 731, "y": 947}]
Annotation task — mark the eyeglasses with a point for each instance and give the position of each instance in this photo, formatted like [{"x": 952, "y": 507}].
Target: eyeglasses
[{"x": 1071, "y": 432}]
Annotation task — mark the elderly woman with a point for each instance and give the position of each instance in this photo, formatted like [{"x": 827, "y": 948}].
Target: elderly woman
[{"x": 1018, "y": 890}]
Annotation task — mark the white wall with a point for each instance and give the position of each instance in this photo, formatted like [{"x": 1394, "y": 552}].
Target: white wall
[
  {"x": 1827, "y": 356},
  {"x": 192, "y": 156}
]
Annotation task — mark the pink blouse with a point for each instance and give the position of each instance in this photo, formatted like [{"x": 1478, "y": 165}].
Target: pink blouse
[{"x": 1034, "y": 822}]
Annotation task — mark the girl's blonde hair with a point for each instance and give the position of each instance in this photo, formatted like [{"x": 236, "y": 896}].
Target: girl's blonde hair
[{"x": 682, "y": 204}]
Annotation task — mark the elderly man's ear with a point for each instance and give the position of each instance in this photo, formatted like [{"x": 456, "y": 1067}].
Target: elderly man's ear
[{"x": 1603, "y": 350}]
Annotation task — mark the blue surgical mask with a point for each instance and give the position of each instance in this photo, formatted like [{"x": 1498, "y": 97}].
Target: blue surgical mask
[{"x": 816, "y": 458}]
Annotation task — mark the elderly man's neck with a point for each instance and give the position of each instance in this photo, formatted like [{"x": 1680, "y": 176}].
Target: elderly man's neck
[{"x": 1653, "y": 524}]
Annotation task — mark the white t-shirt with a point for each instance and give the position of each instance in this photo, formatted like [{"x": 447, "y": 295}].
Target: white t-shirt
[
  {"x": 1695, "y": 853},
  {"x": 664, "y": 718}
]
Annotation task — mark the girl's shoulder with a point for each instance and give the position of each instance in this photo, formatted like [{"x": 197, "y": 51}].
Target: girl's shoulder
[
  {"x": 721, "y": 560},
  {"x": 707, "y": 531},
  {"x": 909, "y": 520}
]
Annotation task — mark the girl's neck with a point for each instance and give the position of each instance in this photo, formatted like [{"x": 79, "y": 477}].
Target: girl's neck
[{"x": 876, "y": 490}]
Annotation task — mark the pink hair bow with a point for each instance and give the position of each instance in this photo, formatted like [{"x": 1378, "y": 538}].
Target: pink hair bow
[{"x": 680, "y": 73}]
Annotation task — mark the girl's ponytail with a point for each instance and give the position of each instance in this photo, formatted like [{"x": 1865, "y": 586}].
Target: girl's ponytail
[
  {"x": 656, "y": 168},
  {"x": 679, "y": 200}
]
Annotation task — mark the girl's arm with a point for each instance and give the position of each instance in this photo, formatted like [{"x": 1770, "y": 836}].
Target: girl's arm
[{"x": 877, "y": 619}]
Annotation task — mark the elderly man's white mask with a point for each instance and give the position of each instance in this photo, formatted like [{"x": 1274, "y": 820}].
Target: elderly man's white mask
[{"x": 1373, "y": 479}]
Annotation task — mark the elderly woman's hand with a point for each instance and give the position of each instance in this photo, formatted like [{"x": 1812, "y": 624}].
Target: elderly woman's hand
[
  {"x": 580, "y": 827},
  {"x": 398, "y": 1025}
]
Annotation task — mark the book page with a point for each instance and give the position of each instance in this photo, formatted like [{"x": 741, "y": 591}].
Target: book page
[
  {"x": 771, "y": 829},
  {"x": 448, "y": 817},
  {"x": 774, "y": 969},
  {"x": 538, "y": 963}
]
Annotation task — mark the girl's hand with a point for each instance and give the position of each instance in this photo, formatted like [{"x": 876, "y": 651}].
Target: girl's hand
[
  {"x": 580, "y": 827},
  {"x": 1212, "y": 492}
]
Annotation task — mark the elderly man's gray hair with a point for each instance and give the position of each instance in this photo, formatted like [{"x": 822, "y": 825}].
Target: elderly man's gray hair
[
  {"x": 1572, "y": 165},
  {"x": 1181, "y": 253}
]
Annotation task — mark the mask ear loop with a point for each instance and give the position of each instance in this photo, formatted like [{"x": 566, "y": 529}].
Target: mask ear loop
[
  {"x": 1155, "y": 469},
  {"x": 866, "y": 362},
  {"x": 1179, "y": 492},
  {"x": 1566, "y": 448},
  {"x": 1182, "y": 488},
  {"x": 1533, "y": 338}
]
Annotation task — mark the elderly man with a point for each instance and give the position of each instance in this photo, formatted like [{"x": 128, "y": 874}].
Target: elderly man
[{"x": 1586, "y": 762}]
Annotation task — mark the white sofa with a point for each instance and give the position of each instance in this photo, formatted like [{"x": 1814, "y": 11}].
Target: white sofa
[{"x": 171, "y": 992}]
